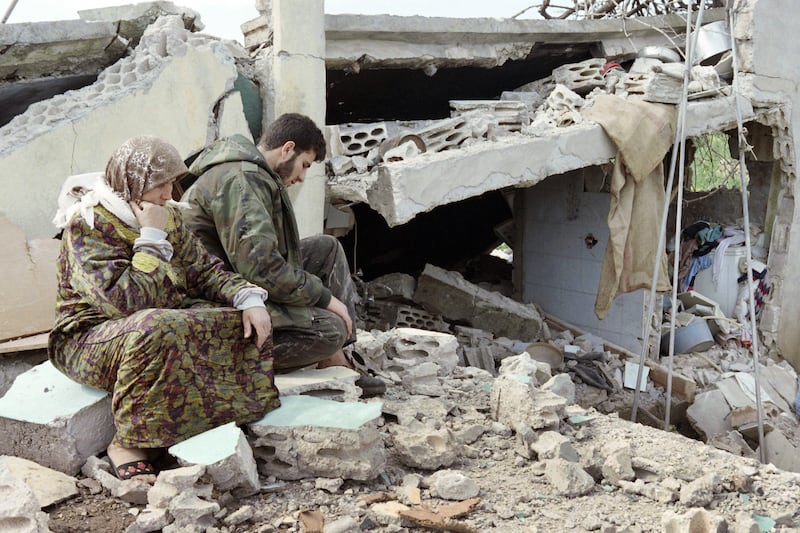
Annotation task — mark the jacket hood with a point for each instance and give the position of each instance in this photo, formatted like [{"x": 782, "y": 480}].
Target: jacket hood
[{"x": 235, "y": 148}]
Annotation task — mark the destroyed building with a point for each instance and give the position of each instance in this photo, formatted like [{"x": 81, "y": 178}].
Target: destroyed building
[{"x": 447, "y": 138}]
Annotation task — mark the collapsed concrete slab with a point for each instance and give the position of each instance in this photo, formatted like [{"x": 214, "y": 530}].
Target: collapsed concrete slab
[
  {"x": 449, "y": 294},
  {"x": 49, "y": 419},
  {"x": 311, "y": 437},
  {"x": 170, "y": 87}
]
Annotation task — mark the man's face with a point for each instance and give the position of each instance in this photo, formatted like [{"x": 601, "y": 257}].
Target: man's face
[{"x": 293, "y": 168}]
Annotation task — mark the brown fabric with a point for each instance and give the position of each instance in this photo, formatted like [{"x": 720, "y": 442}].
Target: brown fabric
[
  {"x": 143, "y": 163},
  {"x": 643, "y": 133}
]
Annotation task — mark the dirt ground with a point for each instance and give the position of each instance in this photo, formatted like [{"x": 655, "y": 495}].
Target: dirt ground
[{"x": 515, "y": 495}]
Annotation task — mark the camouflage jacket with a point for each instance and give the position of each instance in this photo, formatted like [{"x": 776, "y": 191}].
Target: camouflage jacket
[
  {"x": 101, "y": 278},
  {"x": 242, "y": 212}
]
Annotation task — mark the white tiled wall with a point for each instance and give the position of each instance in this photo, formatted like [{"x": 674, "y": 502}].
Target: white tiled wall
[{"x": 561, "y": 272}]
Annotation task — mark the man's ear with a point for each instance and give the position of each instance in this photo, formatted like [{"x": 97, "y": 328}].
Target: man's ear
[{"x": 286, "y": 149}]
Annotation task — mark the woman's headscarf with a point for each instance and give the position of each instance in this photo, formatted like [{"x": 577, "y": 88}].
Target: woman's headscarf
[{"x": 143, "y": 163}]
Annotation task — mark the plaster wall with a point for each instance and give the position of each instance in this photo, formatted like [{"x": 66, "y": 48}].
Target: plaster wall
[
  {"x": 298, "y": 69},
  {"x": 561, "y": 273},
  {"x": 763, "y": 30},
  {"x": 169, "y": 90}
]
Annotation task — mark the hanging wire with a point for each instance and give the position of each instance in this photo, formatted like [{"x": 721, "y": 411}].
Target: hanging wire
[
  {"x": 749, "y": 275},
  {"x": 679, "y": 137},
  {"x": 9, "y": 10}
]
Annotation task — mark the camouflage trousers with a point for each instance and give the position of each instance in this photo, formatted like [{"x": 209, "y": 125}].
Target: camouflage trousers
[
  {"x": 173, "y": 373},
  {"x": 296, "y": 346}
]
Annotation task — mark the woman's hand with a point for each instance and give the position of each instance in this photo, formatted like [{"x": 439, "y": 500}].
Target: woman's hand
[
  {"x": 150, "y": 215},
  {"x": 258, "y": 319}
]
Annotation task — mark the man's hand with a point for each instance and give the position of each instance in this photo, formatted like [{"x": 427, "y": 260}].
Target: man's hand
[
  {"x": 337, "y": 307},
  {"x": 150, "y": 215},
  {"x": 258, "y": 319}
]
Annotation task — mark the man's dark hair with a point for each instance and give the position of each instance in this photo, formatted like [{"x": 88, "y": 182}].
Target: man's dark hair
[{"x": 298, "y": 128}]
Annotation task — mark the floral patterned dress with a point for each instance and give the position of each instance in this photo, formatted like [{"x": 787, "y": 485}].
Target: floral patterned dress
[{"x": 156, "y": 334}]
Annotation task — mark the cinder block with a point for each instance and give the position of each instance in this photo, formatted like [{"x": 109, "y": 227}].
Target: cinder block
[
  {"x": 226, "y": 455},
  {"x": 510, "y": 115},
  {"x": 408, "y": 347},
  {"x": 357, "y": 139},
  {"x": 445, "y": 134},
  {"x": 581, "y": 77},
  {"x": 386, "y": 315},
  {"x": 310, "y": 437},
  {"x": 47, "y": 418}
]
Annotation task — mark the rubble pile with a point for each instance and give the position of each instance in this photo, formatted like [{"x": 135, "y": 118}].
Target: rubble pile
[{"x": 458, "y": 450}]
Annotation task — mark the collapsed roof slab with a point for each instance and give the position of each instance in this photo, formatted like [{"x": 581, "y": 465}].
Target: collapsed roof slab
[
  {"x": 400, "y": 191},
  {"x": 36, "y": 49},
  {"x": 386, "y": 41},
  {"x": 51, "y": 57}
]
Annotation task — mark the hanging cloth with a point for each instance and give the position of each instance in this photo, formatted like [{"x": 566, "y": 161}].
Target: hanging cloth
[{"x": 643, "y": 132}]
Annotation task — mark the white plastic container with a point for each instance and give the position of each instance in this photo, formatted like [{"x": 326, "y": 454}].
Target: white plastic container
[{"x": 724, "y": 292}]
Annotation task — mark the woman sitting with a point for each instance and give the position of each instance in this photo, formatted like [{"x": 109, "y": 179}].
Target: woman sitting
[{"x": 143, "y": 312}]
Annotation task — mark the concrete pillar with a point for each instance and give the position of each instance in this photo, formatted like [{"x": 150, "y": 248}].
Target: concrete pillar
[{"x": 298, "y": 71}]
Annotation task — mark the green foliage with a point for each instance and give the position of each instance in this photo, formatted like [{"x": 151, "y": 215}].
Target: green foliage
[{"x": 713, "y": 167}]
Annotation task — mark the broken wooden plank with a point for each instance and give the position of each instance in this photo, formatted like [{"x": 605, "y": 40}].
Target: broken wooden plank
[{"x": 25, "y": 344}]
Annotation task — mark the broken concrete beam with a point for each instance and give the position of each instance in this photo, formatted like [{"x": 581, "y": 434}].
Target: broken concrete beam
[
  {"x": 709, "y": 414},
  {"x": 226, "y": 455},
  {"x": 408, "y": 347},
  {"x": 310, "y": 437},
  {"x": 581, "y": 77},
  {"x": 68, "y": 421},
  {"x": 683, "y": 387},
  {"x": 455, "y": 298}
]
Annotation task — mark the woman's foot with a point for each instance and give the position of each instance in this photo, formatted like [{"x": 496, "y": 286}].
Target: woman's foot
[{"x": 131, "y": 463}]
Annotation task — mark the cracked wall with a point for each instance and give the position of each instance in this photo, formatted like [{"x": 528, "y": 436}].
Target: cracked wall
[{"x": 169, "y": 87}]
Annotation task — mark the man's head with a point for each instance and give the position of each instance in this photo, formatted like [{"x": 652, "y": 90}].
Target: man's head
[{"x": 290, "y": 144}]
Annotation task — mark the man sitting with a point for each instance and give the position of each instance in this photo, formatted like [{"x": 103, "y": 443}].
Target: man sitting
[{"x": 241, "y": 211}]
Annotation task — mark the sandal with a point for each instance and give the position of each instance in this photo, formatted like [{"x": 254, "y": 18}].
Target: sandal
[{"x": 130, "y": 470}]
